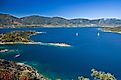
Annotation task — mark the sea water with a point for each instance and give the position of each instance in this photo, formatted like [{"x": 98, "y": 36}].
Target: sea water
[{"x": 87, "y": 51}]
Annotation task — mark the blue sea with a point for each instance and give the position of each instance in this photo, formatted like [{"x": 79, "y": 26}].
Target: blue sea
[{"x": 88, "y": 50}]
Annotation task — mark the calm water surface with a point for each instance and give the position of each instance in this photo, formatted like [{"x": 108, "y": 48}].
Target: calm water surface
[{"x": 88, "y": 51}]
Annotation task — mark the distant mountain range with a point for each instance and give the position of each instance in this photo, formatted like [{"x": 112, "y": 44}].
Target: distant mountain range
[{"x": 7, "y": 20}]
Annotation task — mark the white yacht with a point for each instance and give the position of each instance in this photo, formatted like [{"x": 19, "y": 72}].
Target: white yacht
[
  {"x": 17, "y": 55},
  {"x": 77, "y": 34},
  {"x": 98, "y": 34}
]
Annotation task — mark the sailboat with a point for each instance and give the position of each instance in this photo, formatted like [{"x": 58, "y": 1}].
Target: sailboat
[
  {"x": 98, "y": 29},
  {"x": 98, "y": 34},
  {"x": 77, "y": 34}
]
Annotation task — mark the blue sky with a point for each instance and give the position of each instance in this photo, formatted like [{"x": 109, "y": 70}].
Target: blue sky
[{"x": 64, "y": 8}]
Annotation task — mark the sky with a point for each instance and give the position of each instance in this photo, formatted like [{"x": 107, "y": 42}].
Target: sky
[{"x": 91, "y": 9}]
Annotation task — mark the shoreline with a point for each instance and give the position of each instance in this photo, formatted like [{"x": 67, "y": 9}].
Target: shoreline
[
  {"x": 40, "y": 75},
  {"x": 4, "y": 50},
  {"x": 5, "y": 43},
  {"x": 56, "y": 27},
  {"x": 21, "y": 71},
  {"x": 109, "y": 31},
  {"x": 23, "y": 37},
  {"x": 41, "y": 43}
]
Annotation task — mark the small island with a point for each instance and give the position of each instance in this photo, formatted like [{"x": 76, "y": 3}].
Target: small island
[
  {"x": 3, "y": 50},
  {"x": 102, "y": 75},
  {"x": 99, "y": 75}
]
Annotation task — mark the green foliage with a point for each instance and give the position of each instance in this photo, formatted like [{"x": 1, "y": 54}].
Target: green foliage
[{"x": 16, "y": 36}]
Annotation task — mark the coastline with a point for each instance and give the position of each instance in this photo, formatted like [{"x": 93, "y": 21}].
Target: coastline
[
  {"x": 109, "y": 31},
  {"x": 23, "y": 37},
  {"x": 4, "y": 50},
  {"x": 41, "y": 43},
  {"x": 38, "y": 43},
  {"x": 39, "y": 75},
  {"x": 19, "y": 43},
  {"x": 54, "y": 27},
  {"x": 10, "y": 70}
]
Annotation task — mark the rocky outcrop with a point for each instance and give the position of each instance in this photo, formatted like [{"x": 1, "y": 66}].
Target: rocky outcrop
[
  {"x": 102, "y": 75},
  {"x": 16, "y": 36},
  {"x": 17, "y": 71},
  {"x": 112, "y": 29}
]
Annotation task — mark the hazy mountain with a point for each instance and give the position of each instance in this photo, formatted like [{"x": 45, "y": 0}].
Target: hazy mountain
[
  {"x": 7, "y": 20},
  {"x": 45, "y": 21}
]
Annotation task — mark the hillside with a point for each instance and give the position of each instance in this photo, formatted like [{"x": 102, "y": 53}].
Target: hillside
[
  {"x": 7, "y": 20},
  {"x": 18, "y": 71}
]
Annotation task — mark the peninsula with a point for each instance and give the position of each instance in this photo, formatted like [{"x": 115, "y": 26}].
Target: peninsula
[
  {"x": 22, "y": 37},
  {"x": 10, "y": 70},
  {"x": 17, "y": 37},
  {"x": 112, "y": 29}
]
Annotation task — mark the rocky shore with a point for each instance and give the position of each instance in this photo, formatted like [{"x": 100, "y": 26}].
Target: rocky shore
[
  {"x": 112, "y": 29},
  {"x": 100, "y": 75},
  {"x": 18, "y": 71},
  {"x": 20, "y": 42},
  {"x": 4, "y": 50},
  {"x": 22, "y": 37},
  {"x": 10, "y": 70},
  {"x": 17, "y": 36}
]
